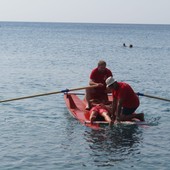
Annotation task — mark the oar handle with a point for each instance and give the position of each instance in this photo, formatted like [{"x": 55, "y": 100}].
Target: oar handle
[{"x": 154, "y": 97}]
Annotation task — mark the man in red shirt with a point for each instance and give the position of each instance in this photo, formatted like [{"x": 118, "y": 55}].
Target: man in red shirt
[
  {"x": 125, "y": 101},
  {"x": 98, "y": 77}
]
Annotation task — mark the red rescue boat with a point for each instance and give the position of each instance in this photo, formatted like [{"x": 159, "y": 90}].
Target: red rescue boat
[{"x": 76, "y": 107}]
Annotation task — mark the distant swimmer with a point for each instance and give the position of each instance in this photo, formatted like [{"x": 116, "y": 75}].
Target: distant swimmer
[
  {"x": 124, "y": 45},
  {"x": 130, "y": 46}
]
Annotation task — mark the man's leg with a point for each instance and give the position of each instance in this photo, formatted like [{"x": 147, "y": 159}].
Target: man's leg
[
  {"x": 139, "y": 116},
  {"x": 107, "y": 117},
  {"x": 93, "y": 116}
]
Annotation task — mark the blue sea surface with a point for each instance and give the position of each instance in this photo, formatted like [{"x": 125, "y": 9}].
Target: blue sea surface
[{"x": 39, "y": 133}]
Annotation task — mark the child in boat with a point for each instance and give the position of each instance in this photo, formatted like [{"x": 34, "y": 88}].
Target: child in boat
[{"x": 102, "y": 110}]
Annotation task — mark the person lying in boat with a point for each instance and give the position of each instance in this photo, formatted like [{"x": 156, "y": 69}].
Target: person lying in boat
[
  {"x": 125, "y": 101},
  {"x": 100, "y": 110},
  {"x": 98, "y": 77}
]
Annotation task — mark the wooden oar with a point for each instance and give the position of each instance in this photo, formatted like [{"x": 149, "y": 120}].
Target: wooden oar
[
  {"x": 45, "y": 94},
  {"x": 154, "y": 97}
]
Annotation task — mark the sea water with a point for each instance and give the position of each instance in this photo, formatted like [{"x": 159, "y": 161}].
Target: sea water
[{"x": 39, "y": 133}]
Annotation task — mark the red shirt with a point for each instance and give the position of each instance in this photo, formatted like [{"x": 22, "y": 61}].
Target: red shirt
[
  {"x": 125, "y": 92},
  {"x": 100, "y": 77},
  {"x": 99, "y": 109}
]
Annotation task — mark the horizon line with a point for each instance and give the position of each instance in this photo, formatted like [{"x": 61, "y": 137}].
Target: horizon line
[{"x": 70, "y": 22}]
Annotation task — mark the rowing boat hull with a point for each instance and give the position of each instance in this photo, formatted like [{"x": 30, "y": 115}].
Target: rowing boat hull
[{"x": 76, "y": 108}]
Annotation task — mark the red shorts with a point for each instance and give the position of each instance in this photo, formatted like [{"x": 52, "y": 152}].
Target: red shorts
[{"x": 99, "y": 109}]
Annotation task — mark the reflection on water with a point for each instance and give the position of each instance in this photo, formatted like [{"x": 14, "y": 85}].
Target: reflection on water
[
  {"x": 114, "y": 145},
  {"x": 108, "y": 147}
]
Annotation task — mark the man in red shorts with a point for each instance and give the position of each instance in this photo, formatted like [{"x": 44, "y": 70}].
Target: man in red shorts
[
  {"x": 125, "y": 101},
  {"x": 102, "y": 110},
  {"x": 98, "y": 77}
]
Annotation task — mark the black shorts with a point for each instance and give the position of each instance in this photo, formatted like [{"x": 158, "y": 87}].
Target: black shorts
[{"x": 128, "y": 111}]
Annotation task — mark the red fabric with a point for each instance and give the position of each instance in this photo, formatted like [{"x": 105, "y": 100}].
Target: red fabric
[
  {"x": 100, "y": 77},
  {"x": 125, "y": 92},
  {"x": 99, "y": 109}
]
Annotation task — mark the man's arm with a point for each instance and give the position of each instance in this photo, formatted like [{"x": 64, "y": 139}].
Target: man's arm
[
  {"x": 119, "y": 109},
  {"x": 92, "y": 83},
  {"x": 114, "y": 105}
]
